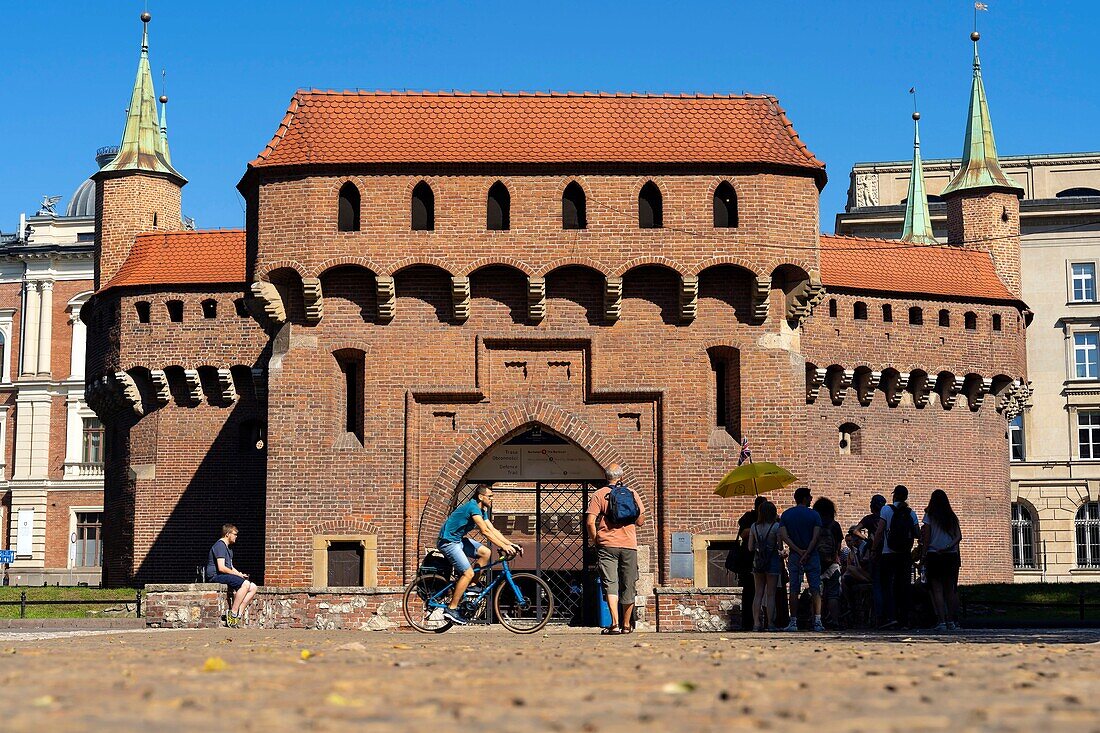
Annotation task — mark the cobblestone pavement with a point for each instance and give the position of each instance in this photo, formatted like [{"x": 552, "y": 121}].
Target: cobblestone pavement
[{"x": 257, "y": 680}]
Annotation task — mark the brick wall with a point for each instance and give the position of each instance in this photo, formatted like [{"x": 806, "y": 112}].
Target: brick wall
[
  {"x": 125, "y": 207},
  {"x": 59, "y": 506},
  {"x": 988, "y": 221},
  {"x": 440, "y": 391}
]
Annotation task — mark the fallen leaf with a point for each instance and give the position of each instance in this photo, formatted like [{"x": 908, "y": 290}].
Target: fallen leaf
[
  {"x": 401, "y": 646},
  {"x": 214, "y": 664},
  {"x": 306, "y": 654},
  {"x": 335, "y": 698},
  {"x": 44, "y": 701},
  {"x": 678, "y": 688},
  {"x": 354, "y": 646}
]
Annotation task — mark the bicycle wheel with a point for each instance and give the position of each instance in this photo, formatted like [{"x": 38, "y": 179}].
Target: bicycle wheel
[
  {"x": 528, "y": 614},
  {"x": 422, "y": 617}
]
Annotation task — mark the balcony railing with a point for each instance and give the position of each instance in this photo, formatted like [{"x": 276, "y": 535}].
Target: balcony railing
[{"x": 83, "y": 470}]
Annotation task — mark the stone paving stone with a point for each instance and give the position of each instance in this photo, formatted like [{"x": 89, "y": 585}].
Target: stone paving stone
[{"x": 559, "y": 681}]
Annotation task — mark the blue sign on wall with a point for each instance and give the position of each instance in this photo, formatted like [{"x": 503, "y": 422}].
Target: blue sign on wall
[{"x": 7, "y": 556}]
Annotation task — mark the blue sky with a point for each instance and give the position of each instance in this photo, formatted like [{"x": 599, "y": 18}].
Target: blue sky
[{"x": 842, "y": 70}]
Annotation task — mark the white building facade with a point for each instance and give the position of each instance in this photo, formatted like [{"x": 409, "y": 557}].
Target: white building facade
[{"x": 52, "y": 458}]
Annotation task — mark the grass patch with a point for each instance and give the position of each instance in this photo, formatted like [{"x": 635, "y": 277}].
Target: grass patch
[
  {"x": 1059, "y": 602},
  {"x": 56, "y": 593}
]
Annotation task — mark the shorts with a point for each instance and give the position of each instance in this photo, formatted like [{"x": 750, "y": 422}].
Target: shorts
[
  {"x": 812, "y": 568},
  {"x": 619, "y": 572},
  {"x": 831, "y": 587},
  {"x": 943, "y": 566},
  {"x": 233, "y": 581},
  {"x": 460, "y": 553},
  {"x": 775, "y": 565}
]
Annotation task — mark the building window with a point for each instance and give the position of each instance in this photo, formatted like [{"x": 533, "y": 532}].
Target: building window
[
  {"x": 916, "y": 316},
  {"x": 250, "y": 438},
  {"x": 970, "y": 321},
  {"x": 423, "y": 208},
  {"x": 89, "y": 540},
  {"x": 347, "y": 217},
  {"x": 1023, "y": 538},
  {"x": 996, "y": 321},
  {"x": 1016, "y": 438},
  {"x": 725, "y": 364},
  {"x": 887, "y": 313},
  {"x": 725, "y": 207},
  {"x": 832, "y": 307},
  {"x": 851, "y": 443},
  {"x": 1085, "y": 355},
  {"x": 859, "y": 311},
  {"x": 1088, "y": 434},
  {"x": 210, "y": 308},
  {"x": 175, "y": 311},
  {"x": 1087, "y": 526},
  {"x": 351, "y": 364},
  {"x": 574, "y": 210},
  {"x": 945, "y": 317},
  {"x": 142, "y": 308},
  {"x": 1084, "y": 282},
  {"x": 93, "y": 441},
  {"x": 1076, "y": 193},
  {"x": 650, "y": 207},
  {"x": 498, "y": 209}
]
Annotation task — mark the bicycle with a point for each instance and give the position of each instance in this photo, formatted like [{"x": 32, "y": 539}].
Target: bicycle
[{"x": 523, "y": 603}]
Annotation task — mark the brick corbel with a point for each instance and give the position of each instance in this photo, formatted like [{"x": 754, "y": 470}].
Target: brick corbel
[
  {"x": 126, "y": 391},
  {"x": 162, "y": 392},
  {"x": 613, "y": 299},
  {"x": 689, "y": 299},
  {"x": 460, "y": 298},
  {"x": 919, "y": 386},
  {"x": 950, "y": 392},
  {"x": 814, "y": 379},
  {"x": 314, "y": 301},
  {"x": 536, "y": 299},
  {"x": 194, "y": 385},
  {"x": 762, "y": 287},
  {"x": 387, "y": 297},
  {"x": 841, "y": 381},
  {"x": 225, "y": 381},
  {"x": 892, "y": 387},
  {"x": 864, "y": 383},
  {"x": 270, "y": 301}
]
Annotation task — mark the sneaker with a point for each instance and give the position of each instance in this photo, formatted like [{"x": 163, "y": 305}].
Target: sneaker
[
  {"x": 939, "y": 628},
  {"x": 818, "y": 626},
  {"x": 231, "y": 621},
  {"x": 453, "y": 615},
  {"x": 792, "y": 626},
  {"x": 952, "y": 626}
]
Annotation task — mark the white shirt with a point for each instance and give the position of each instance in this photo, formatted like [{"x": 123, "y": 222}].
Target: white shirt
[{"x": 887, "y": 514}]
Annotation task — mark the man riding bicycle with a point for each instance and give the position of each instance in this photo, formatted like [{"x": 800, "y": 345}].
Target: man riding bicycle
[{"x": 460, "y": 549}]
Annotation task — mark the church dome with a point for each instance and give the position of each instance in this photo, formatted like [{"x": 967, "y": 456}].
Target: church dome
[{"x": 82, "y": 202}]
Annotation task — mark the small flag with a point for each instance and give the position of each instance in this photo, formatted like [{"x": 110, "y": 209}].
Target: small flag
[
  {"x": 912, "y": 90},
  {"x": 746, "y": 454},
  {"x": 981, "y": 6}
]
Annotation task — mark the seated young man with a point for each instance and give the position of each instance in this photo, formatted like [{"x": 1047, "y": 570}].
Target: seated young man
[
  {"x": 460, "y": 549},
  {"x": 219, "y": 569}
]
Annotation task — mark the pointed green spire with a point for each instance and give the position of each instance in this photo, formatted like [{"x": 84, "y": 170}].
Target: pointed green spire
[
  {"x": 164, "y": 151},
  {"x": 980, "y": 167},
  {"x": 918, "y": 223},
  {"x": 142, "y": 148}
]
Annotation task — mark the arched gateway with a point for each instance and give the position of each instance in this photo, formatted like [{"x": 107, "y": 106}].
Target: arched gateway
[{"x": 541, "y": 483}]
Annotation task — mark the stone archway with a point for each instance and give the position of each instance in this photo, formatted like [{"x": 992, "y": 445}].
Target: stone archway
[{"x": 504, "y": 426}]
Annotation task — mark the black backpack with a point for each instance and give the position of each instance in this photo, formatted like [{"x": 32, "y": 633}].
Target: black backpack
[{"x": 900, "y": 535}]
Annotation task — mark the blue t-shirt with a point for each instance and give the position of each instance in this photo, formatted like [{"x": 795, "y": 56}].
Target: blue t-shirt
[
  {"x": 461, "y": 521},
  {"x": 800, "y": 522},
  {"x": 220, "y": 549}
]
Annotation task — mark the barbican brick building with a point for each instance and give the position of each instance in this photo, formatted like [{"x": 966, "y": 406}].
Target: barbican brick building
[{"x": 433, "y": 289}]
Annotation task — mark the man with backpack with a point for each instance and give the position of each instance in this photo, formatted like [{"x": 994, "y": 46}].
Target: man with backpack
[
  {"x": 614, "y": 514},
  {"x": 893, "y": 548}
]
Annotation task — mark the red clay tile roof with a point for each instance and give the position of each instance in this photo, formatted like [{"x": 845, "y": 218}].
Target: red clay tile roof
[
  {"x": 395, "y": 127},
  {"x": 893, "y": 266},
  {"x": 184, "y": 258}
]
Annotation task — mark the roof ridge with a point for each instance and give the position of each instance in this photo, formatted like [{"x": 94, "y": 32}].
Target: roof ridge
[{"x": 525, "y": 93}]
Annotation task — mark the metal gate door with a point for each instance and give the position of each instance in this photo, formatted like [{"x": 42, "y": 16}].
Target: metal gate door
[{"x": 548, "y": 520}]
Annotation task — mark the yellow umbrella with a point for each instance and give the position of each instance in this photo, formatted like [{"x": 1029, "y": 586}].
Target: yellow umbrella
[{"x": 753, "y": 478}]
